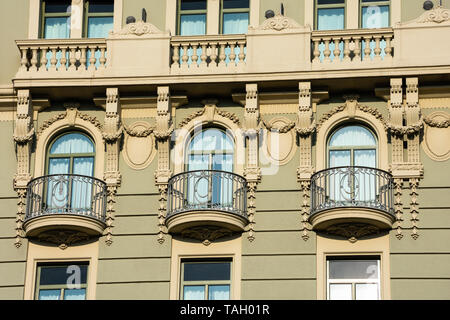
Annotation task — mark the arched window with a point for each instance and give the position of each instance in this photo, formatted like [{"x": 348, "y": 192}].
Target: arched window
[
  {"x": 352, "y": 145},
  {"x": 352, "y": 151},
  {"x": 210, "y": 149},
  {"x": 70, "y": 163}
]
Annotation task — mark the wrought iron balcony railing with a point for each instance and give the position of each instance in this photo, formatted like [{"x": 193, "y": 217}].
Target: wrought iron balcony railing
[
  {"x": 70, "y": 194},
  {"x": 207, "y": 190},
  {"x": 354, "y": 186}
]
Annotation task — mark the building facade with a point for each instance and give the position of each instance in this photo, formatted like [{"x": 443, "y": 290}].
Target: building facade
[{"x": 225, "y": 149}]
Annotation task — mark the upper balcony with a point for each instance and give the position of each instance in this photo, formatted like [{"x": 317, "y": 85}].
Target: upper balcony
[
  {"x": 206, "y": 198},
  {"x": 352, "y": 195},
  {"x": 65, "y": 202},
  {"x": 278, "y": 49}
]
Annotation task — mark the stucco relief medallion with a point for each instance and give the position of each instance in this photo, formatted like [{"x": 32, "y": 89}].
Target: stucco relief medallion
[
  {"x": 279, "y": 147},
  {"x": 139, "y": 150},
  {"x": 436, "y": 140}
]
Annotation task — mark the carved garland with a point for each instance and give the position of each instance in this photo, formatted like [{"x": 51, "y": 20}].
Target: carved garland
[{"x": 436, "y": 124}]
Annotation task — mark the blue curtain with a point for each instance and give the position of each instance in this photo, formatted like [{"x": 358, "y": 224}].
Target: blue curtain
[
  {"x": 235, "y": 23},
  {"x": 56, "y": 28},
  {"x": 330, "y": 19},
  {"x": 219, "y": 292},
  {"x": 49, "y": 294},
  {"x": 72, "y": 143},
  {"x": 75, "y": 294},
  {"x": 194, "y": 293},
  {"x": 375, "y": 17},
  {"x": 98, "y": 27},
  {"x": 192, "y": 24}
]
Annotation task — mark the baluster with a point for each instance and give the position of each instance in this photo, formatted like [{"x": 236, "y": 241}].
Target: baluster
[
  {"x": 213, "y": 55},
  {"x": 33, "y": 60},
  {"x": 241, "y": 55},
  {"x": 92, "y": 59},
  {"x": 337, "y": 51},
  {"x": 357, "y": 50},
  {"x": 176, "y": 56},
  {"x": 388, "y": 49},
  {"x": 83, "y": 59},
  {"x": 327, "y": 51},
  {"x": 53, "y": 60},
  {"x": 194, "y": 56},
  {"x": 24, "y": 60},
  {"x": 316, "y": 52},
  {"x": 185, "y": 56},
  {"x": 232, "y": 54},
  {"x": 377, "y": 50},
  {"x": 204, "y": 56},
  {"x": 367, "y": 49},
  {"x": 44, "y": 60},
  {"x": 102, "y": 59},
  {"x": 222, "y": 55},
  {"x": 72, "y": 59},
  {"x": 346, "y": 50},
  {"x": 63, "y": 59}
]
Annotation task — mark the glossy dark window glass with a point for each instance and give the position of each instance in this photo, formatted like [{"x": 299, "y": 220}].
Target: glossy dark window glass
[
  {"x": 193, "y": 4},
  {"x": 235, "y": 4},
  {"x": 97, "y": 6},
  {"x": 59, "y": 274},
  {"x": 57, "y": 6},
  {"x": 206, "y": 271}
]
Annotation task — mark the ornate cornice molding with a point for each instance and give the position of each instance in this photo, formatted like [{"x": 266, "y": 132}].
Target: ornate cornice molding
[
  {"x": 352, "y": 231},
  {"x": 206, "y": 234},
  {"x": 215, "y": 110},
  {"x": 63, "y": 238}
]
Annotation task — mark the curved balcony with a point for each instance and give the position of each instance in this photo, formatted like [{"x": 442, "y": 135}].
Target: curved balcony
[
  {"x": 352, "y": 195},
  {"x": 65, "y": 202},
  {"x": 206, "y": 198}
]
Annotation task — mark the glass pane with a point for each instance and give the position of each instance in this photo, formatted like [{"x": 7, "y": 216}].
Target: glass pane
[
  {"x": 82, "y": 187},
  {"x": 58, "y": 6},
  {"x": 193, "y": 4},
  {"x": 49, "y": 294},
  {"x": 194, "y": 293},
  {"x": 206, "y": 271},
  {"x": 340, "y": 291},
  {"x": 99, "y": 27},
  {"x": 62, "y": 275},
  {"x": 330, "y": 1},
  {"x": 101, "y": 5},
  {"x": 367, "y": 291},
  {"x": 353, "y": 269},
  {"x": 375, "y": 0},
  {"x": 365, "y": 158},
  {"x": 211, "y": 140},
  {"x": 352, "y": 136},
  {"x": 339, "y": 158},
  {"x": 375, "y": 17},
  {"x": 219, "y": 292},
  {"x": 330, "y": 19},
  {"x": 57, "y": 28},
  {"x": 75, "y": 294},
  {"x": 234, "y": 4},
  {"x": 72, "y": 143},
  {"x": 365, "y": 181},
  {"x": 340, "y": 182},
  {"x": 234, "y": 23},
  {"x": 192, "y": 24}
]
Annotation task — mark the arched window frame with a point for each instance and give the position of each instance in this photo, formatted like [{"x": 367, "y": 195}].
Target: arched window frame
[
  {"x": 71, "y": 156},
  {"x": 351, "y": 148}
]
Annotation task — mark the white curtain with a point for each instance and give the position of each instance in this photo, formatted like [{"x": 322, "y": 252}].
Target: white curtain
[
  {"x": 56, "y": 28},
  {"x": 72, "y": 143},
  {"x": 74, "y": 294},
  {"x": 58, "y": 188},
  {"x": 219, "y": 292},
  {"x": 81, "y": 188},
  {"x": 375, "y": 17},
  {"x": 194, "y": 293},
  {"x": 352, "y": 136},
  {"x": 339, "y": 182},
  {"x": 330, "y": 19},
  {"x": 98, "y": 27},
  {"x": 192, "y": 24},
  {"x": 198, "y": 187},
  {"x": 49, "y": 294}
]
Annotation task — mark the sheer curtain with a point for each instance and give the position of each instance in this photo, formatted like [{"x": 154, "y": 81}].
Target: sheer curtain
[
  {"x": 49, "y": 294},
  {"x": 375, "y": 17},
  {"x": 75, "y": 294},
  {"x": 98, "y": 27},
  {"x": 234, "y": 23},
  {"x": 330, "y": 19},
  {"x": 194, "y": 293},
  {"x": 192, "y": 25},
  {"x": 58, "y": 188},
  {"x": 219, "y": 292},
  {"x": 56, "y": 28}
]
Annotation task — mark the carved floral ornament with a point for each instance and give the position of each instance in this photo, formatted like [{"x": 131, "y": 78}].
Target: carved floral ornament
[
  {"x": 209, "y": 111},
  {"x": 136, "y": 29},
  {"x": 277, "y": 23},
  {"x": 437, "y": 15}
]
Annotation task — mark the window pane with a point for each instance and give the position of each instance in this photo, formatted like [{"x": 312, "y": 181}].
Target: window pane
[
  {"x": 352, "y": 136},
  {"x": 99, "y": 27},
  {"x": 365, "y": 158},
  {"x": 375, "y": 17},
  {"x": 235, "y": 23},
  {"x": 211, "y": 140},
  {"x": 233, "y": 4},
  {"x": 58, "y": 6},
  {"x": 219, "y": 292},
  {"x": 52, "y": 275},
  {"x": 50, "y": 294},
  {"x": 330, "y": 19},
  {"x": 57, "y": 28},
  {"x": 339, "y": 158},
  {"x": 330, "y": 1},
  {"x": 192, "y": 24},
  {"x": 72, "y": 143},
  {"x": 193, "y": 4},
  {"x": 340, "y": 291},
  {"x": 75, "y": 294},
  {"x": 367, "y": 291},
  {"x": 205, "y": 271},
  {"x": 59, "y": 166},
  {"x": 353, "y": 269},
  {"x": 101, "y": 6},
  {"x": 375, "y": 0},
  {"x": 194, "y": 293}
]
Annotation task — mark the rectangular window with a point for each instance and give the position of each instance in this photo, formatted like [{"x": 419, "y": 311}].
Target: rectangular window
[
  {"x": 206, "y": 279},
  {"x": 98, "y": 18},
  {"x": 61, "y": 281},
  {"x": 234, "y": 16},
  {"x": 191, "y": 17},
  {"x": 55, "y": 19},
  {"x": 330, "y": 14},
  {"x": 374, "y": 13},
  {"x": 353, "y": 278}
]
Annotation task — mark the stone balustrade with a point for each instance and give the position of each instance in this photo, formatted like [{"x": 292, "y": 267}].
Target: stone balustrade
[
  {"x": 57, "y": 56},
  {"x": 361, "y": 46},
  {"x": 225, "y": 53}
]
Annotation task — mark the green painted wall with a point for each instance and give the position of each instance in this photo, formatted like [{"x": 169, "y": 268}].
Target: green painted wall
[
  {"x": 294, "y": 9},
  {"x": 156, "y": 11},
  {"x": 411, "y": 9}
]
